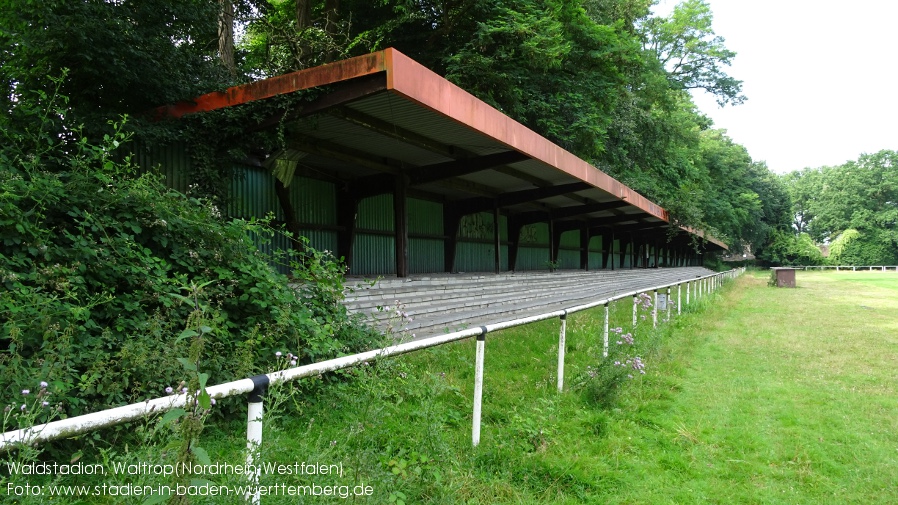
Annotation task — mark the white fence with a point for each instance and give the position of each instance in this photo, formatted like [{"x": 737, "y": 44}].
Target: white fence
[
  {"x": 853, "y": 268},
  {"x": 255, "y": 387}
]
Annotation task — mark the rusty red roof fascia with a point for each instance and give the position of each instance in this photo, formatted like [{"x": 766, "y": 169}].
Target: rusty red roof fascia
[{"x": 283, "y": 84}]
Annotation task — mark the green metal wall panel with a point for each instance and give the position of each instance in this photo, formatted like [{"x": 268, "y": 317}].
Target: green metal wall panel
[
  {"x": 568, "y": 259},
  {"x": 475, "y": 249},
  {"x": 570, "y": 240},
  {"x": 476, "y": 226},
  {"x": 424, "y": 217},
  {"x": 252, "y": 195},
  {"x": 534, "y": 235},
  {"x": 569, "y": 250},
  {"x": 171, "y": 161},
  {"x": 373, "y": 255},
  {"x": 425, "y": 255},
  {"x": 479, "y": 257},
  {"x": 595, "y": 252},
  {"x": 323, "y": 240},
  {"x": 532, "y": 258},
  {"x": 376, "y": 213},
  {"x": 595, "y": 260},
  {"x": 313, "y": 201}
]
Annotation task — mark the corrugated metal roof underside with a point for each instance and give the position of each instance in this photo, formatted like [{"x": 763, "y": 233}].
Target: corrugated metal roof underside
[
  {"x": 331, "y": 131},
  {"x": 410, "y": 119}
]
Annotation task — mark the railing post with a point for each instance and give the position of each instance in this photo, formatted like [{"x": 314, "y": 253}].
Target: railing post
[
  {"x": 561, "y": 345},
  {"x": 688, "y": 286},
  {"x": 254, "y": 411},
  {"x": 679, "y": 292},
  {"x": 655, "y": 309},
  {"x": 478, "y": 387},
  {"x": 605, "y": 337},
  {"x": 668, "y": 303},
  {"x": 635, "y": 302}
]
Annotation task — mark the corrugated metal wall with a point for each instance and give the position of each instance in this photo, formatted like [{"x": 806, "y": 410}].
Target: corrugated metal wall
[
  {"x": 475, "y": 251},
  {"x": 252, "y": 195},
  {"x": 569, "y": 250},
  {"x": 374, "y": 248},
  {"x": 595, "y": 252},
  {"x": 533, "y": 252},
  {"x": 315, "y": 203},
  {"x": 172, "y": 161},
  {"x": 425, "y": 253}
]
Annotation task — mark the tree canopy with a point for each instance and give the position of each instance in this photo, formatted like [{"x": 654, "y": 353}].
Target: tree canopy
[
  {"x": 853, "y": 206},
  {"x": 602, "y": 78}
]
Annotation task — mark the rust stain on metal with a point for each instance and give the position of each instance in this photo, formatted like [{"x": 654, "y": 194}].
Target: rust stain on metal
[{"x": 288, "y": 83}]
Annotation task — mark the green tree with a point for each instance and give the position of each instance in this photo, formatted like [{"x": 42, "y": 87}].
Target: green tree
[
  {"x": 804, "y": 187},
  {"x": 854, "y": 206},
  {"x": 122, "y": 57},
  {"x": 691, "y": 54}
]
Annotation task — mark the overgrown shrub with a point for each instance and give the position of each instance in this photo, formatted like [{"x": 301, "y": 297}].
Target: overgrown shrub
[
  {"x": 95, "y": 269},
  {"x": 787, "y": 249},
  {"x": 871, "y": 247}
]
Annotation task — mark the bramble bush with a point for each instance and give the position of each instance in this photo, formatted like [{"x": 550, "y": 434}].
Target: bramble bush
[{"x": 96, "y": 266}]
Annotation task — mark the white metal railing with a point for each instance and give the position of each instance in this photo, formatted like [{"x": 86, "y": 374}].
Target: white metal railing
[
  {"x": 853, "y": 268},
  {"x": 255, "y": 387}
]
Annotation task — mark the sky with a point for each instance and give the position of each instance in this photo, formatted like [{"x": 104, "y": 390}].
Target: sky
[{"x": 821, "y": 79}]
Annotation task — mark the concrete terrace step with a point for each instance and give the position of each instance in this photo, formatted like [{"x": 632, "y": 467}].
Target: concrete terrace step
[
  {"x": 440, "y": 302},
  {"x": 451, "y": 295}
]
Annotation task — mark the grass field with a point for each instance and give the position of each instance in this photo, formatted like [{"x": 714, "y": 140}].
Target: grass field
[{"x": 753, "y": 395}]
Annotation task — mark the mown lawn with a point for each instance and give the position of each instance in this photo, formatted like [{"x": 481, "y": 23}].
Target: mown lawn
[{"x": 788, "y": 396}]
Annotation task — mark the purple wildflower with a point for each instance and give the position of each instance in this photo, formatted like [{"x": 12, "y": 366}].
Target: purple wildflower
[
  {"x": 26, "y": 391},
  {"x": 44, "y": 385}
]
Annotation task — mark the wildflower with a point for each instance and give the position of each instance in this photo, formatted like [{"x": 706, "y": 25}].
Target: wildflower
[
  {"x": 212, "y": 401},
  {"x": 22, "y": 408},
  {"x": 44, "y": 404},
  {"x": 184, "y": 390},
  {"x": 638, "y": 365},
  {"x": 293, "y": 362},
  {"x": 26, "y": 391},
  {"x": 43, "y": 385},
  {"x": 277, "y": 354},
  {"x": 168, "y": 390}
]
